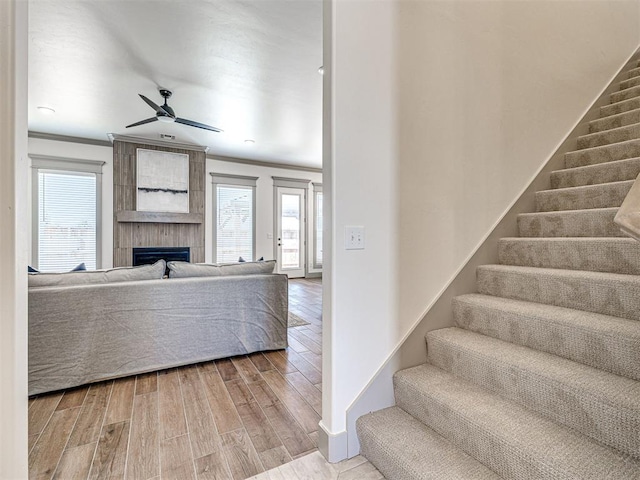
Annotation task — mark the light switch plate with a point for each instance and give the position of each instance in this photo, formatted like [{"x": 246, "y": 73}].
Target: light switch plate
[{"x": 354, "y": 238}]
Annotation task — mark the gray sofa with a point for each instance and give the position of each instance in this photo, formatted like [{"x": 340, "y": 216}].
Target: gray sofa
[{"x": 80, "y": 334}]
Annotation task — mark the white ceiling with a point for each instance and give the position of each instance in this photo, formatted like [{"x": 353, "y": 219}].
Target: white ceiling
[{"x": 247, "y": 67}]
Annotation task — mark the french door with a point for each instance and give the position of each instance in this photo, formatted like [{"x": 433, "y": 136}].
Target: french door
[{"x": 290, "y": 231}]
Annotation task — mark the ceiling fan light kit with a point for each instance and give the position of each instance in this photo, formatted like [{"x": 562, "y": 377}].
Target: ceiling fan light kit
[{"x": 164, "y": 113}]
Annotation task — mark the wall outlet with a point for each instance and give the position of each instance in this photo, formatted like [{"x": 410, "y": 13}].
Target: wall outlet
[{"x": 354, "y": 238}]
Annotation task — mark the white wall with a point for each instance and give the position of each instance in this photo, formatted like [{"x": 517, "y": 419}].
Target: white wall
[
  {"x": 13, "y": 239},
  {"x": 80, "y": 151},
  {"x": 487, "y": 92},
  {"x": 362, "y": 304},
  {"x": 448, "y": 110},
  {"x": 264, "y": 203}
]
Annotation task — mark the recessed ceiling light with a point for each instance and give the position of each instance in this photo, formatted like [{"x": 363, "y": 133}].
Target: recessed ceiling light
[
  {"x": 321, "y": 70},
  {"x": 46, "y": 110},
  {"x": 249, "y": 141}
]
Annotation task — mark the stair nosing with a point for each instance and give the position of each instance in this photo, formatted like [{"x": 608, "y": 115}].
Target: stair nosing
[
  {"x": 629, "y": 240},
  {"x": 566, "y": 212},
  {"x": 567, "y": 189},
  {"x": 595, "y": 166},
  {"x": 558, "y": 272}
]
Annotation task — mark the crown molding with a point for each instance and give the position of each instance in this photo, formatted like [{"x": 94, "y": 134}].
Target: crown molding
[
  {"x": 259, "y": 163},
  {"x": 70, "y": 139}
]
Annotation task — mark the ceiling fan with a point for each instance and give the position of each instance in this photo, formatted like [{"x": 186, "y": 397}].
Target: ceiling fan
[{"x": 166, "y": 114}]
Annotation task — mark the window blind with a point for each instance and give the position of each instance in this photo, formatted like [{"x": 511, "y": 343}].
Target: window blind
[
  {"x": 67, "y": 232},
  {"x": 234, "y": 223}
]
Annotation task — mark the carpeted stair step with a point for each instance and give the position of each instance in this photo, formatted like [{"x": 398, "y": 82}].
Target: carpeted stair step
[
  {"x": 634, "y": 72},
  {"x": 617, "y": 171},
  {"x": 402, "y": 448},
  {"x": 609, "y": 343},
  {"x": 606, "y": 293},
  {"x": 594, "y": 222},
  {"x": 596, "y": 254},
  {"x": 513, "y": 441},
  {"x": 630, "y": 82},
  {"x": 603, "y": 195},
  {"x": 598, "y": 404},
  {"x": 602, "y": 154},
  {"x": 625, "y": 94},
  {"x": 619, "y": 107},
  {"x": 614, "y": 135},
  {"x": 615, "y": 121}
]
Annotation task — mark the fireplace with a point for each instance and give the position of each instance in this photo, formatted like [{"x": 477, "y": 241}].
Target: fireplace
[{"x": 146, "y": 255}]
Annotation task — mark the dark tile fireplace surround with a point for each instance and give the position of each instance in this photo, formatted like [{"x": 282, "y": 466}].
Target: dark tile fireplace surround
[{"x": 148, "y": 255}]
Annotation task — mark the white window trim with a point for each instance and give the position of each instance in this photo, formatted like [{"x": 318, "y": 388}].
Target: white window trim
[
  {"x": 70, "y": 165},
  {"x": 224, "y": 179},
  {"x": 317, "y": 188}
]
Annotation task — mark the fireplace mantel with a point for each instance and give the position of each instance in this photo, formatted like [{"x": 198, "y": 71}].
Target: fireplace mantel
[{"x": 133, "y": 216}]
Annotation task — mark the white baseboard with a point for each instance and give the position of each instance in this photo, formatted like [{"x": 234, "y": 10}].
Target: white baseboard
[{"x": 332, "y": 445}]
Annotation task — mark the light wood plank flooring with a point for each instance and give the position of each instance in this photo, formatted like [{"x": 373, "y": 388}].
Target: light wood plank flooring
[{"x": 228, "y": 419}]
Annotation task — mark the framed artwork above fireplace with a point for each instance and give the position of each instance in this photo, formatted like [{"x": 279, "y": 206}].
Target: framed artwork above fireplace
[{"x": 162, "y": 181}]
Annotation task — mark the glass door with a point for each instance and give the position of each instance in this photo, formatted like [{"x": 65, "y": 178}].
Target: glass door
[{"x": 290, "y": 231}]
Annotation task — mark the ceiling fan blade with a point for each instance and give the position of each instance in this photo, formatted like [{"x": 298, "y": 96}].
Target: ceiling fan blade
[
  {"x": 142, "y": 122},
  {"x": 157, "y": 108},
  {"x": 191, "y": 123}
]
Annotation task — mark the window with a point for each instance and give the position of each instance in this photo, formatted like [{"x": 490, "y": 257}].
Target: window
[
  {"x": 234, "y": 209},
  {"x": 66, "y": 214},
  {"x": 317, "y": 240}
]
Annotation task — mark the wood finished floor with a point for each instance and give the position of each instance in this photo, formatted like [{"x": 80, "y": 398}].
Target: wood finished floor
[{"x": 228, "y": 419}]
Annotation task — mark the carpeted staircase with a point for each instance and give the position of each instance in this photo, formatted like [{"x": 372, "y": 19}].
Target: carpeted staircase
[{"x": 540, "y": 377}]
